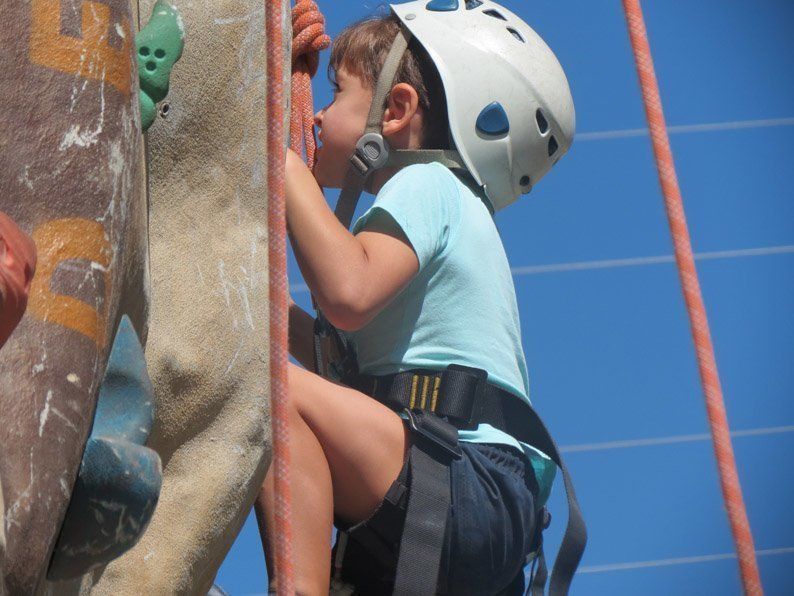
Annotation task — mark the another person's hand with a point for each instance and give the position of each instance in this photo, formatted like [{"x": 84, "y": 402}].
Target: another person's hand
[{"x": 17, "y": 266}]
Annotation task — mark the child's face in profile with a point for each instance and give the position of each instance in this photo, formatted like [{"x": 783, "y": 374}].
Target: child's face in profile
[{"x": 341, "y": 123}]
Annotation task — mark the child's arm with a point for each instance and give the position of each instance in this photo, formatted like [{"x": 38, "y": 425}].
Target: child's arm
[{"x": 352, "y": 277}]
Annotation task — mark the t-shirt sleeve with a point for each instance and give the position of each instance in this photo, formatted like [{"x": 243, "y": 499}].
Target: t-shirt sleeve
[{"x": 424, "y": 203}]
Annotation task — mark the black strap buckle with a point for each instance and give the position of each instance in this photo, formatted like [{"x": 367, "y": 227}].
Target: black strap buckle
[
  {"x": 435, "y": 431},
  {"x": 464, "y": 382}
]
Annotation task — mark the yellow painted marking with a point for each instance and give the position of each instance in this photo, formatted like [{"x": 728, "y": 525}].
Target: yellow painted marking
[
  {"x": 62, "y": 240},
  {"x": 91, "y": 56}
]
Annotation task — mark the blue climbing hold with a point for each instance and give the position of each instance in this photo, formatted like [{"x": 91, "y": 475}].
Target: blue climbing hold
[
  {"x": 119, "y": 480},
  {"x": 493, "y": 120},
  {"x": 125, "y": 408},
  {"x": 442, "y": 5}
]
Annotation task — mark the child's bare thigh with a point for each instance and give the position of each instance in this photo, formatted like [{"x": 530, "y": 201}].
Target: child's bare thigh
[{"x": 364, "y": 441}]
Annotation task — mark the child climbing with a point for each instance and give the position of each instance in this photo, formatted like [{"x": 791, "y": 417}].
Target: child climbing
[{"x": 425, "y": 451}]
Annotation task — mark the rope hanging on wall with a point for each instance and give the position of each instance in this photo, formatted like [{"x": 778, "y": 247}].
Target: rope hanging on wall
[{"x": 308, "y": 38}]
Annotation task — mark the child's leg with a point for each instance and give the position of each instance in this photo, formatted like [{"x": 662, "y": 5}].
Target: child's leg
[{"x": 346, "y": 449}]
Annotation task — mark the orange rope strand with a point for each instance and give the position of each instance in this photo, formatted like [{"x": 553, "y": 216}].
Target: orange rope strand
[
  {"x": 308, "y": 38},
  {"x": 277, "y": 258},
  {"x": 715, "y": 405}
]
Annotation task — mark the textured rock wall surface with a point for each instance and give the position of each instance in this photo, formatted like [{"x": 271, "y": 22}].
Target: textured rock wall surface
[
  {"x": 208, "y": 343},
  {"x": 71, "y": 177},
  {"x": 2, "y": 539}
]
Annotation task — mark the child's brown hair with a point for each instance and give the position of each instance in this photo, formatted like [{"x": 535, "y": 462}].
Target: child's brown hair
[{"x": 361, "y": 49}]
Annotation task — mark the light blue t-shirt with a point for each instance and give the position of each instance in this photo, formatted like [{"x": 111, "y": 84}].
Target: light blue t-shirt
[{"x": 461, "y": 307}]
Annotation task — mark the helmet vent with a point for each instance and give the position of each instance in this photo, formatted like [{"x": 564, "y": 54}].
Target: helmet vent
[
  {"x": 470, "y": 4},
  {"x": 525, "y": 181},
  {"x": 543, "y": 124},
  {"x": 495, "y": 14},
  {"x": 553, "y": 146},
  {"x": 516, "y": 34}
]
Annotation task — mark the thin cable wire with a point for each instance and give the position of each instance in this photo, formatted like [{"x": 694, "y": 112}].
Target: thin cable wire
[
  {"x": 601, "y": 135},
  {"x": 277, "y": 257},
  {"x": 715, "y": 406}
]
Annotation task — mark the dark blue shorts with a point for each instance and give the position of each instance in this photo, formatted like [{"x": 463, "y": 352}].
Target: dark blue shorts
[{"x": 490, "y": 527}]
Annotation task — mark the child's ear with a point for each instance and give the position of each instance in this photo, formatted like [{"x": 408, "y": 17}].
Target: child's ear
[{"x": 401, "y": 107}]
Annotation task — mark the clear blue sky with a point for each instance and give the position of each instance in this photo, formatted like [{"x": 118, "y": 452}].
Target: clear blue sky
[{"x": 612, "y": 368}]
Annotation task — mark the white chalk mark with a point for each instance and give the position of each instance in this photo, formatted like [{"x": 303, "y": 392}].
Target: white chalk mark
[
  {"x": 24, "y": 177},
  {"x": 12, "y": 510},
  {"x": 236, "y": 354},
  {"x": 63, "y": 417},
  {"x": 45, "y": 413},
  {"x": 242, "y": 292},
  {"x": 86, "y": 138},
  {"x": 224, "y": 282}
]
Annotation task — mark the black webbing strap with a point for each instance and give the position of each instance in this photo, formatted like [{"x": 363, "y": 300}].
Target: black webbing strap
[
  {"x": 434, "y": 446},
  {"x": 538, "y": 581},
  {"x": 321, "y": 344},
  {"x": 361, "y": 162},
  {"x": 465, "y": 398}
]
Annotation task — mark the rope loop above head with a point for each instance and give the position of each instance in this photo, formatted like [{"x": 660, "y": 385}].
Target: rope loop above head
[
  {"x": 308, "y": 39},
  {"x": 308, "y": 34}
]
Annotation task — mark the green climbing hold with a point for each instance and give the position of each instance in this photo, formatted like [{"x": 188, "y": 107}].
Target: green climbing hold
[{"x": 158, "y": 46}]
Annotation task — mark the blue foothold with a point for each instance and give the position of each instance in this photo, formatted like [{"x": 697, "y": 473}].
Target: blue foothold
[
  {"x": 493, "y": 120},
  {"x": 442, "y": 5},
  {"x": 119, "y": 480}
]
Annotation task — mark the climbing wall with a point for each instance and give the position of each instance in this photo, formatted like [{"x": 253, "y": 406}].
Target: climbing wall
[
  {"x": 70, "y": 176},
  {"x": 208, "y": 345}
]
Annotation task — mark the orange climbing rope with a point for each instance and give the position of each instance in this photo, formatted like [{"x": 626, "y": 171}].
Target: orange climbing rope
[
  {"x": 715, "y": 405},
  {"x": 308, "y": 31},
  {"x": 277, "y": 258},
  {"x": 308, "y": 38}
]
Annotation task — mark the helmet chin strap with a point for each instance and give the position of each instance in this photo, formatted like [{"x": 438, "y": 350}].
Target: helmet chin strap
[{"x": 372, "y": 152}]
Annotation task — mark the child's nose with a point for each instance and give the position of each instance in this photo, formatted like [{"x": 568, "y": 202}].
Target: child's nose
[{"x": 318, "y": 118}]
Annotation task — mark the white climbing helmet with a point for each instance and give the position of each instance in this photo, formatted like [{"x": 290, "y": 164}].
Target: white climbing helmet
[{"x": 511, "y": 113}]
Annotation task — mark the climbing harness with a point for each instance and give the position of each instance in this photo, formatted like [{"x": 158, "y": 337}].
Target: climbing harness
[
  {"x": 437, "y": 404},
  {"x": 707, "y": 363},
  {"x": 461, "y": 397}
]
